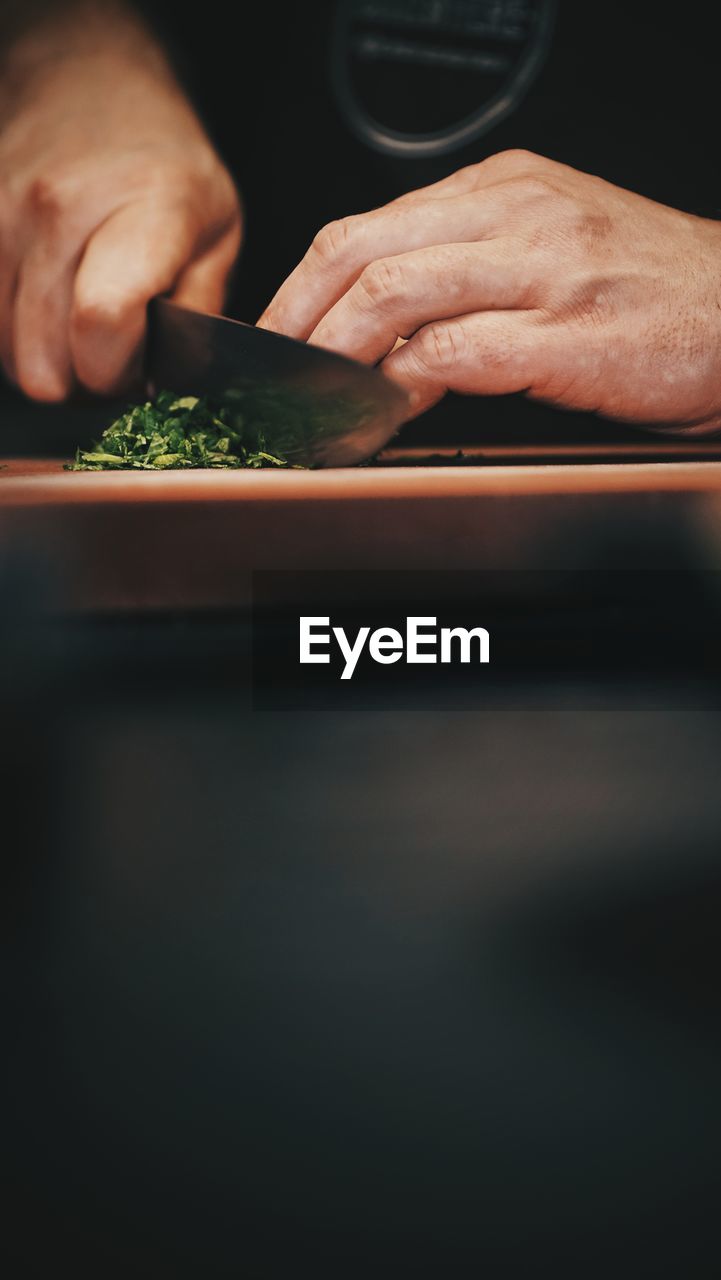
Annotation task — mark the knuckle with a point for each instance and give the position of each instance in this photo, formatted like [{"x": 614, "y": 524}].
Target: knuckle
[
  {"x": 473, "y": 172},
  {"x": 535, "y": 187},
  {"x": 382, "y": 283},
  {"x": 514, "y": 163},
  {"x": 334, "y": 240},
  {"x": 46, "y": 197},
  {"x": 443, "y": 345},
  {"x": 518, "y": 158}
]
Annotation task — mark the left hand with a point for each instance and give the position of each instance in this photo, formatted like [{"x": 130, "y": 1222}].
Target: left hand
[{"x": 521, "y": 274}]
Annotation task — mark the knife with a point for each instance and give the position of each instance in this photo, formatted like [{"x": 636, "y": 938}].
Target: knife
[{"x": 316, "y": 408}]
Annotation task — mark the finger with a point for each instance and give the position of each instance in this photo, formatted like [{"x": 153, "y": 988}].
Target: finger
[
  {"x": 40, "y": 341},
  {"x": 395, "y": 297},
  {"x": 36, "y": 297},
  {"x": 491, "y": 353},
  {"x": 398, "y": 227},
  {"x": 203, "y": 284},
  {"x": 139, "y": 252},
  {"x": 342, "y": 250}
]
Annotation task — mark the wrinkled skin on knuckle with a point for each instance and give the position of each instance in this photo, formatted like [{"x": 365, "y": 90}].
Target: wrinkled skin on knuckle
[
  {"x": 335, "y": 239},
  {"x": 381, "y": 285},
  {"x": 442, "y": 346}
]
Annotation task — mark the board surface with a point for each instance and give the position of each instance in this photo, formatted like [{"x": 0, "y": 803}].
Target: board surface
[
  {"x": 191, "y": 540},
  {"x": 40, "y": 481}
]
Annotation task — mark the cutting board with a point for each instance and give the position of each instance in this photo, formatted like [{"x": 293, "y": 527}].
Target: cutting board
[{"x": 191, "y": 540}]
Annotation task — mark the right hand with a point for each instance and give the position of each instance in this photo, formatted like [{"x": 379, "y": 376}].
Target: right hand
[{"x": 110, "y": 193}]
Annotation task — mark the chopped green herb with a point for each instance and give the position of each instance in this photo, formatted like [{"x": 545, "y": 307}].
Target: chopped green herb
[{"x": 174, "y": 432}]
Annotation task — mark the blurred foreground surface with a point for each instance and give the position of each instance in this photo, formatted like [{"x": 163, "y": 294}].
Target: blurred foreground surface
[{"x": 391, "y": 991}]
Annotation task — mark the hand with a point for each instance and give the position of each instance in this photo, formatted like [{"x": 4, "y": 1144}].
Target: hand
[
  {"x": 110, "y": 193},
  {"x": 520, "y": 274}
]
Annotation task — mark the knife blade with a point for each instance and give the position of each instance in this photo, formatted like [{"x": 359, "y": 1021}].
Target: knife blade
[{"x": 317, "y": 408}]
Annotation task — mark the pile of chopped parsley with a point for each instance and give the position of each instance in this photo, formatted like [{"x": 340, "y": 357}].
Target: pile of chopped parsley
[{"x": 174, "y": 432}]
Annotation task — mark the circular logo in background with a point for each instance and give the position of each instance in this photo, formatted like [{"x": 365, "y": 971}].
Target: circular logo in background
[{"x": 422, "y": 78}]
